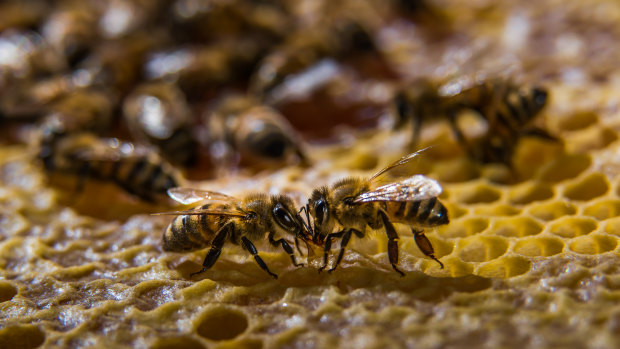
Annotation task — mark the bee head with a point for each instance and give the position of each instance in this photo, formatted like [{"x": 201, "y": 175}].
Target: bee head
[
  {"x": 285, "y": 216},
  {"x": 320, "y": 209},
  {"x": 539, "y": 97}
]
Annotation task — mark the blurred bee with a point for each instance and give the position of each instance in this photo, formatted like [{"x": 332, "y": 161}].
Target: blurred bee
[
  {"x": 509, "y": 109},
  {"x": 242, "y": 130},
  {"x": 223, "y": 218},
  {"x": 303, "y": 48},
  {"x": 137, "y": 170},
  {"x": 351, "y": 204},
  {"x": 158, "y": 114}
]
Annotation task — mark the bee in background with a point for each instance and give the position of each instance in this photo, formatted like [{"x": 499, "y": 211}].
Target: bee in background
[
  {"x": 138, "y": 170},
  {"x": 158, "y": 114},
  {"x": 349, "y": 205},
  {"x": 239, "y": 221},
  {"x": 244, "y": 131},
  {"x": 508, "y": 108}
]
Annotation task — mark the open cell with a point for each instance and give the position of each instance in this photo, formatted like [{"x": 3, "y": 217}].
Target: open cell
[
  {"x": 549, "y": 211},
  {"x": 539, "y": 246},
  {"x": 222, "y": 324},
  {"x": 481, "y": 248},
  {"x": 505, "y": 267},
  {"x": 570, "y": 227},
  {"x": 463, "y": 227},
  {"x": 531, "y": 192},
  {"x": 593, "y": 244},
  {"x": 21, "y": 336},
  {"x": 7, "y": 291},
  {"x": 578, "y": 121},
  {"x": 517, "y": 227},
  {"x": 478, "y": 194},
  {"x": 565, "y": 167},
  {"x": 603, "y": 209},
  {"x": 588, "y": 188}
]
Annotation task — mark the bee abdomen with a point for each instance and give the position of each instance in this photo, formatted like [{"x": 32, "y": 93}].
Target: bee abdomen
[
  {"x": 428, "y": 212},
  {"x": 186, "y": 233}
]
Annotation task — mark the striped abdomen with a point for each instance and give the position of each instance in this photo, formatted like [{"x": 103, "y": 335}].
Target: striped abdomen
[
  {"x": 430, "y": 212},
  {"x": 517, "y": 106},
  {"x": 192, "y": 232}
]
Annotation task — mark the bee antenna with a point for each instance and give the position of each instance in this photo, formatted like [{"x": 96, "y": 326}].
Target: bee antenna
[{"x": 306, "y": 222}]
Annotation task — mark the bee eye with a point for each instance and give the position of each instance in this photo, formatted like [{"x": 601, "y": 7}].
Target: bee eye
[
  {"x": 283, "y": 217},
  {"x": 320, "y": 209}
]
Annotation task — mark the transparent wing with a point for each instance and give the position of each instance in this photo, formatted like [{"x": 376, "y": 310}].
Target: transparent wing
[
  {"x": 188, "y": 196},
  {"x": 200, "y": 212},
  {"x": 398, "y": 163},
  {"x": 418, "y": 187}
]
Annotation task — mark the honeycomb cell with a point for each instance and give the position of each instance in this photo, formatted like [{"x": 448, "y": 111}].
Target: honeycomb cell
[
  {"x": 7, "y": 291},
  {"x": 603, "y": 209},
  {"x": 549, "y": 211},
  {"x": 463, "y": 227},
  {"x": 578, "y": 121},
  {"x": 593, "y": 244},
  {"x": 517, "y": 227},
  {"x": 504, "y": 267},
  {"x": 481, "y": 248},
  {"x": 570, "y": 227},
  {"x": 588, "y": 188},
  {"x": 455, "y": 211},
  {"x": 591, "y": 139},
  {"x": 457, "y": 170},
  {"x": 478, "y": 194},
  {"x": 21, "y": 337},
  {"x": 496, "y": 210},
  {"x": 529, "y": 192},
  {"x": 177, "y": 342},
  {"x": 222, "y": 324},
  {"x": 539, "y": 246},
  {"x": 565, "y": 167},
  {"x": 612, "y": 226}
]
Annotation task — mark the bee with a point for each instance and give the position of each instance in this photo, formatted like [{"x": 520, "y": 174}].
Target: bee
[
  {"x": 137, "y": 170},
  {"x": 349, "y": 205},
  {"x": 158, "y": 114},
  {"x": 508, "y": 108},
  {"x": 240, "y": 221},
  {"x": 243, "y": 130}
]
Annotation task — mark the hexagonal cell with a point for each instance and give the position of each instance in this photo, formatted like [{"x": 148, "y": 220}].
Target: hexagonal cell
[
  {"x": 603, "y": 209},
  {"x": 496, "y": 210},
  {"x": 590, "y": 139},
  {"x": 457, "y": 170},
  {"x": 593, "y": 244},
  {"x": 565, "y": 167},
  {"x": 481, "y": 248},
  {"x": 549, "y": 211},
  {"x": 221, "y": 324},
  {"x": 455, "y": 211},
  {"x": 570, "y": 227},
  {"x": 517, "y": 227},
  {"x": 21, "y": 336},
  {"x": 539, "y": 246},
  {"x": 588, "y": 188},
  {"x": 479, "y": 193},
  {"x": 612, "y": 226},
  {"x": 7, "y": 291},
  {"x": 463, "y": 227},
  {"x": 578, "y": 121},
  {"x": 504, "y": 267},
  {"x": 530, "y": 192}
]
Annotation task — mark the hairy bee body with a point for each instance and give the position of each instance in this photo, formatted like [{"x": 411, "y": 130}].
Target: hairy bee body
[
  {"x": 351, "y": 205},
  {"x": 255, "y": 217}
]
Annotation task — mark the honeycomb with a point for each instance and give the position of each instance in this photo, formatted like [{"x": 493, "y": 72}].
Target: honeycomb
[{"x": 531, "y": 255}]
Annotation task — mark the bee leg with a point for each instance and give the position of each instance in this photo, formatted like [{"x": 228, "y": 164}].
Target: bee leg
[
  {"x": 458, "y": 134},
  {"x": 249, "y": 246},
  {"x": 287, "y": 248},
  {"x": 328, "y": 246},
  {"x": 343, "y": 244},
  {"x": 392, "y": 236},
  {"x": 424, "y": 245},
  {"x": 216, "y": 249}
]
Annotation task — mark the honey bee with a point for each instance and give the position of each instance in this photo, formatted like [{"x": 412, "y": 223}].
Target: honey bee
[
  {"x": 508, "y": 108},
  {"x": 224, "y": 218},
  {"x": 158, "y": 114},
  {"x": 242, "y": 130},
  {"x": 137, "y": 170},
  {"x": 351, "y": 204}
]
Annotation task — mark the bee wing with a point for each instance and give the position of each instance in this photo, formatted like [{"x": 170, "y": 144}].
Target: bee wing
[
  {"x": 200, "y": 212},
  {"x": 188, "y": 196},
  {"x": 402, "y": 161},
  {"x": 418, "y": 187}
]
